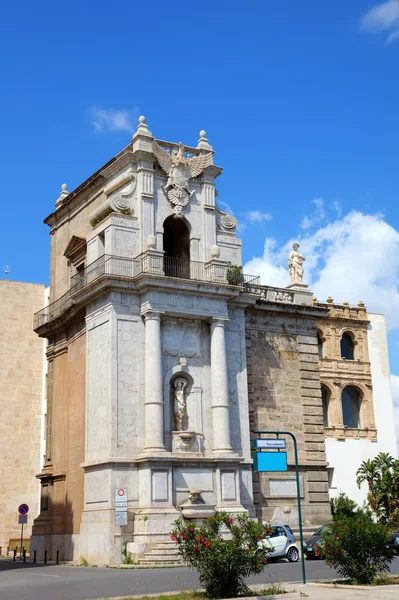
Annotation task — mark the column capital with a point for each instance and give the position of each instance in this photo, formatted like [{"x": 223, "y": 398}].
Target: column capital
[
  {"x": 149, "y": 314},
  {"x": 218, "y": 321}
]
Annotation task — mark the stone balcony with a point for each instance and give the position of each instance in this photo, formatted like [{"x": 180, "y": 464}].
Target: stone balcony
[{"x": 151, "y": 263}]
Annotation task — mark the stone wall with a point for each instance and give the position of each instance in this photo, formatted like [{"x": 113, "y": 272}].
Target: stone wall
[
  {"x": 21, "y": 387},
  {"x": 285, "y": 394},
  {"x": 62, "y": 477}
]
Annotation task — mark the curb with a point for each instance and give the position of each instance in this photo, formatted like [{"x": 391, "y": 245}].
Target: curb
[
  {"x": 342, "y": 586},
  {"x": 273, "y": 597}
]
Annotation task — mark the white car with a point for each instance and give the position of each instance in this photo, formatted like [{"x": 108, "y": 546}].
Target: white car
[{"x": 281, "y": 543}]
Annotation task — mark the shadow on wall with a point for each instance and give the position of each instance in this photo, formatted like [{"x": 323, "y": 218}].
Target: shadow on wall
[{"x": 55, "y": 530}]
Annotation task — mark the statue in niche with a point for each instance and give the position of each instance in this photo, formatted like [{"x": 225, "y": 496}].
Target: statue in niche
[
  {"x": 295, "y": 262},
  {"x": 179, "y": 385}
]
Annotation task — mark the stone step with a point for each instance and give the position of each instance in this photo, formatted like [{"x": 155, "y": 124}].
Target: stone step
[
  {"x": 156, "y": 552},
  {"x": 163, "y": 560}
]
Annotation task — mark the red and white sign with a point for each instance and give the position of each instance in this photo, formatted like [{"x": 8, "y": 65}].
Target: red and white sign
[{"x": 121, "y": 495}]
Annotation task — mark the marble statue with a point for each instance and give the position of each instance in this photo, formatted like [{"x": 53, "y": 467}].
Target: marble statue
[
  {"x": 295, "y": 262},
  {"x": 180, "y": 170},
  {"x": 179, "y": 402}
]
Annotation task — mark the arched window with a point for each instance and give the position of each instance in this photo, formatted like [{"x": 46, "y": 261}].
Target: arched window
[
  {"x": 324, "y": 399},
  {"x": 351, "y": 407},
  {"x": 320, "y": 344},
  {"x": 176, "y": 246},
  {"x": 347, "y": 346}
]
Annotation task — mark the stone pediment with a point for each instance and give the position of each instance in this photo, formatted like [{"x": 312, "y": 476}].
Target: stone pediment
[{"x": 76, "y": 249}]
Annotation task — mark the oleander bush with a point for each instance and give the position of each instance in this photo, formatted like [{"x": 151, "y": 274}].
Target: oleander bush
[
  {"x": 357, "y": 547},
  {"x": 225, "y": 551}
]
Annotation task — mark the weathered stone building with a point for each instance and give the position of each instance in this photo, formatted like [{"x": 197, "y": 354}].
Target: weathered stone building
[
  {"x": 163, "y": 356},
  {"x": 22, "y": 405}
]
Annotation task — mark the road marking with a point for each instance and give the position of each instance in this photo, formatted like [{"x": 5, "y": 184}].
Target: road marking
[{"x": 42, "y": 575}]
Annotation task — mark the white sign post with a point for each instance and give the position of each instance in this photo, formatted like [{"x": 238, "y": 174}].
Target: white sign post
[{"x": 121, "y": 511}]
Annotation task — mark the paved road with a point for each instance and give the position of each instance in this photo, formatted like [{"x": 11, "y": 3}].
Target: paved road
[{"x": 50, "y": 582}]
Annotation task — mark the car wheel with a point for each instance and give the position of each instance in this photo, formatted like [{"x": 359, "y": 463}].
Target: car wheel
[{"x": 293, "y": 555}]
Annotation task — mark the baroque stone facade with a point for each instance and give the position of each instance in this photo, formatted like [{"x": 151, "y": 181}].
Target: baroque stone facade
[
  {"x": 163, "y": 357},
  {"x": 22, "y": 405}
]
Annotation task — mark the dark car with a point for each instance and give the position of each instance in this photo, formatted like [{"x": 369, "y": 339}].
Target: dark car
[
  {"x": 314, "y": 541},
  {"x": 395, "y": 541}
]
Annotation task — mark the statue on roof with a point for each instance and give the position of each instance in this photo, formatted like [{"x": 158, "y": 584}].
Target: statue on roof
[
  {"x": 295, "y": 262},
  {"x": 180, "y": 169}
]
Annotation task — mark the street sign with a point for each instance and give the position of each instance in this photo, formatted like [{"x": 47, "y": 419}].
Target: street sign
[
  {"x": 22, "y": 519},
  {"x": 267, "y": 443},
  {"x": 121, "y": 518},
  {"x": 120, "y": 494},
  {"x": 121, "y": 505},
  {"x": 270, "y": 461},
  {"x": 23, "y": 509}
]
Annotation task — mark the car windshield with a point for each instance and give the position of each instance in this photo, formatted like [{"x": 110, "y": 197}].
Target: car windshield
[{"x": 321, "y": 529}]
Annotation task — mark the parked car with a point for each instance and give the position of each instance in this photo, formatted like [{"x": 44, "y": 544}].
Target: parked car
[
  {"x": 395, "y": 541},
  {"x": 282, "y": 544},
  {"x": 315, "y": 540}
]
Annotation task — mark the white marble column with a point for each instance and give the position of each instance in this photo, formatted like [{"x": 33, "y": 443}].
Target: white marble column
[
  {"x": 220, "y": 389},
  {"x": 154, "y": 434}
]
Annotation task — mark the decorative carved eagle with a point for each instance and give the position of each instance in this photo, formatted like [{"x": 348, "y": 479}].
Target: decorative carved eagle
[
  {"x": 194, "y": 165},
  {"x": 180, "y": 170}
]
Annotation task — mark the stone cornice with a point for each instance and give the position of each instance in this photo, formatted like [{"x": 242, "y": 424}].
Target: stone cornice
[
  {"x": 282, "y": 308},
  {"x": 74, "y": 199}
]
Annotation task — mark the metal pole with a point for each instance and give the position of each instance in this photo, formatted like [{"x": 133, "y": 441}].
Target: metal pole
[
  {"x": 22, "y": 535},
  {"x": 298, "y": 491},
  {"x": 34, "y": 556},
  {"x": 45, "y": 557},
  {"x": 121, "y": 547},
  {"x": 58, "y": 557}
]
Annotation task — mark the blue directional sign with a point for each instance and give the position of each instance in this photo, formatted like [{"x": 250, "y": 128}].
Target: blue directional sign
[
  {"x": 23, "y": 509},
  {"x": 270, "y": 461}
]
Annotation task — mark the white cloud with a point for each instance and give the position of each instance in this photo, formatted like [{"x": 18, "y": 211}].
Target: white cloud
[
  {"x": 383, "y": 18},
  {"x": 395, "y": 395},
  {"x": 318, "y": 216},
  {"x": 257, "y": 216},
  {"x": 353, "y": 258},
  {"x": 111, "y": 119}
]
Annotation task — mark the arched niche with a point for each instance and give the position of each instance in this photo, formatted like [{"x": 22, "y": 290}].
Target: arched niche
[{"x": 193, "y": 392}]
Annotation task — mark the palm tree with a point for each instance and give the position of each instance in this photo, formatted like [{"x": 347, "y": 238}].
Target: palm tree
[
  {"x": 368, "y": 472},
  {"x": 382, "y": 476}
]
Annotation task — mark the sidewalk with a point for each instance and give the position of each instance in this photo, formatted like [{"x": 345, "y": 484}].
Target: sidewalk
[{"x": 314, "y": 592}]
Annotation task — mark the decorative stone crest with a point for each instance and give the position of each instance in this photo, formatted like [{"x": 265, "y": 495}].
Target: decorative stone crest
[
  {"x": 228, "y": 222},
  {"x": 180, "y": 169}
]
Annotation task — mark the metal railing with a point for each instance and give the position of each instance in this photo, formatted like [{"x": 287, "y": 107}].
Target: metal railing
[{"x": 130, "y": 268}]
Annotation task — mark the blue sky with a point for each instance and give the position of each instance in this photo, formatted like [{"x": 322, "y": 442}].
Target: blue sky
[{"x": 299, "y": 99}]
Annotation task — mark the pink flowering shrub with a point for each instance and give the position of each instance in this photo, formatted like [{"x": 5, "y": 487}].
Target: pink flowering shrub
[{"x": 225, "y": 551}]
